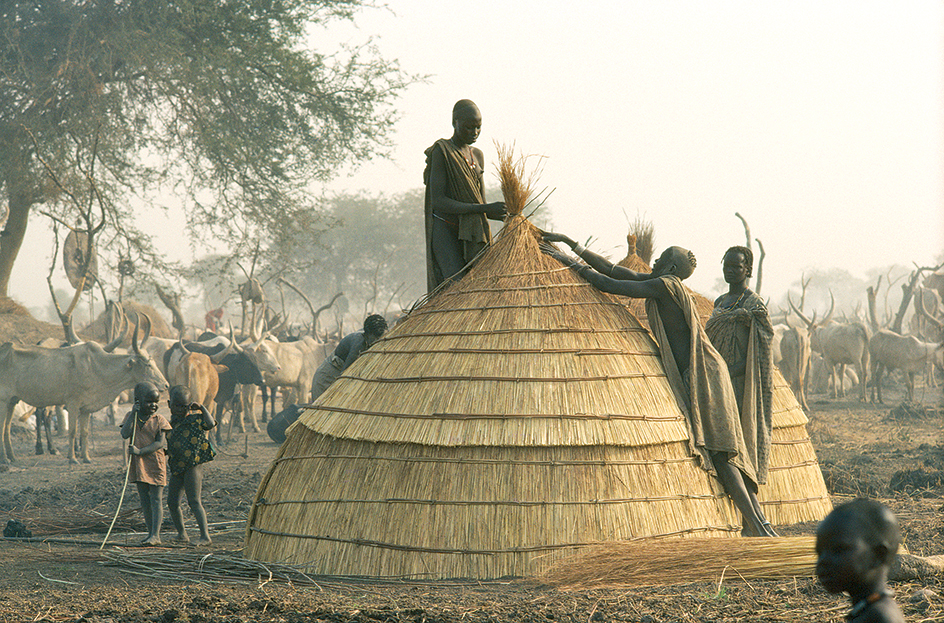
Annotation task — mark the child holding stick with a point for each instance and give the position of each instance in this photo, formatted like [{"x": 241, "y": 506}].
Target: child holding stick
[
  {"x": 147, "y": 461},
  {"x": 189, "y": 450}
]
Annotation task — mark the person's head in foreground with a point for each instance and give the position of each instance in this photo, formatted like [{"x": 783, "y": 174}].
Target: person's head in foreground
[{"x": 855, "y": 546}]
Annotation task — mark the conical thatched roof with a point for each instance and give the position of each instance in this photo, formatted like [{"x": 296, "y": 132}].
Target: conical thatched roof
[{"x": 515, "y": 416}]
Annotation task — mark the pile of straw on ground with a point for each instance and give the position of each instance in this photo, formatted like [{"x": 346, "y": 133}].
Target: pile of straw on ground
[
  {"x": 679, "y": 561},
  {"x": 516, "y": 416}
]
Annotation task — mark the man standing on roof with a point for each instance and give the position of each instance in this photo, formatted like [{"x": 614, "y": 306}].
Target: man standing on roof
[
  {"x": 456, "y": 212},
  {"x": 696, "y": 372},
  {"x": 740, "y": 329}
]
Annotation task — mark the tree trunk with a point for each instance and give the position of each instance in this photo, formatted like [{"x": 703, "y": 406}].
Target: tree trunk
[{"x": 19, "y": 202}]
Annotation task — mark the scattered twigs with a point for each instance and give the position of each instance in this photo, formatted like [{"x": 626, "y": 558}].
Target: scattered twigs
[{"x": 232, "y": 568}]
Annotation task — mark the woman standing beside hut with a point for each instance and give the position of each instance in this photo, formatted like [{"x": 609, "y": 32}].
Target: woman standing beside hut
[{"x": 740, "y": 329}]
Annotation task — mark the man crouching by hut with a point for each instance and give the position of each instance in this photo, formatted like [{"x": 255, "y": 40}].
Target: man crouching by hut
[{"x": 696, "y": 372}]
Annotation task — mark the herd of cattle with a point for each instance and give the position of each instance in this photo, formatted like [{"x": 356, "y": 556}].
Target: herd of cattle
[
  {"x": 225, "y": 373},
  {"x": 86, "y": 377},
  {"x": 816, "y": 353}
]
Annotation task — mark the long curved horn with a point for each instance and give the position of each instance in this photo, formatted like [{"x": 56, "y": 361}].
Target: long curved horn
[
  {"x": 263, "y": 332},
  {"x": 232, "y": 339},
  {"x": 832, "y": 306},
  {"x": 134, "y": 336},
  {"x": 122, "y": 332},
  {"x": 147, "y": 329},
  {"x": 798, "y": 312}
]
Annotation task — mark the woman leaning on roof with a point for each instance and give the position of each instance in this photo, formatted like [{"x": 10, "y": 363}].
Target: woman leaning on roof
[
  {"x": 694, "y": 368},
  {"x": 456, "y": 212}
]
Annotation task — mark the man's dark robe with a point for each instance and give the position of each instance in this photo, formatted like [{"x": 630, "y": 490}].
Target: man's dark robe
[
  {"x": 753, "y": 389},
  {"x": 464, "y": 184}
]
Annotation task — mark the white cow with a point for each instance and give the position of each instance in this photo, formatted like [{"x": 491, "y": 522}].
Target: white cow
[{"x": 83, "y": 377}]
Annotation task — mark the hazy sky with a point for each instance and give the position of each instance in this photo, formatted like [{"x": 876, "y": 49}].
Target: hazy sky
[{"x": 822, "y": 122}]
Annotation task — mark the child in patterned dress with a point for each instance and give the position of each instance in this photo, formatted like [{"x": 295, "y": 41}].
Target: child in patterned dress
[
  {"x": 145, "y": 427},
  {"x": 189, "y": 448}
]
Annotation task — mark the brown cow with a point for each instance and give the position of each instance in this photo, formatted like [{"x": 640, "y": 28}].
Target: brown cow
[{"x": 196, "y": 371}]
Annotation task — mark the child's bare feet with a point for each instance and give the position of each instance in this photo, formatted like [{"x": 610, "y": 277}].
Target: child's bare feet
[
  {"x": 154, "y": 540},
  {"x": 182, "y": 538},
  {"x": 204, "y": 541}
]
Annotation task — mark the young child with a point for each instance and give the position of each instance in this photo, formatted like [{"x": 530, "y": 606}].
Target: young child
[
  {"x": 148, "y": 463},
  {"x": 189, "y": 449},
  {"x": 856, "y": 544}
]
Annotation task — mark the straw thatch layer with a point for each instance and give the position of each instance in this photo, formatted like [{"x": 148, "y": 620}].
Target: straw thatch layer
[{"x": 350, "y": 508}]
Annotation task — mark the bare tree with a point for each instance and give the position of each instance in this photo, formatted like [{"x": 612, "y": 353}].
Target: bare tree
[{"x": 85, "y": 209}]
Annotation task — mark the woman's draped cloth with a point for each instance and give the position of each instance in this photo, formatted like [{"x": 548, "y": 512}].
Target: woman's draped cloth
[
  {"x": 702, "y": 385},
  {"x": 754, "y": 389},
  {"x": 462, "y": 184}
]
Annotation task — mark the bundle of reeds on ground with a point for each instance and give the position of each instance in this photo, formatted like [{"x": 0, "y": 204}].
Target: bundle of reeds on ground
[
  {"x": 681, "y": 561},
  {"x": 516, "y": 416}
]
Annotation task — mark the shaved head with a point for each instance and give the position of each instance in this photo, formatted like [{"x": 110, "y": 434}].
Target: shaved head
[
  {"x": 465, "y": 108},
  {"x": 677, "y": 261}
]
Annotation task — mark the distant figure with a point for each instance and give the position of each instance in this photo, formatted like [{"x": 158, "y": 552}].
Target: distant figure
[
  {"x": 212, "y": 319},
  {"x": 188, "y": 449},
  {"x": 346, "y": 353},
  {"x": 696, "y": 372},
  {"x": 856, "y": 544},
  {"x": 456, "y": 212},
  {"x": 145, "y": 427},
  {"x": 740, "y": 329}
]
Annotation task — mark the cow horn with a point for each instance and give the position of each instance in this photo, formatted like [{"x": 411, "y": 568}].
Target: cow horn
[
  {"x": 798, "y": 312},
  {"x": 263, "y": 332},
  {"x": 147, "y": 329},
  {"x": 832, "y": 306},
  {"x": 134, "y": 336},
  {"x": 232, "y": 339},
  {"x": 122, "y": 332}
]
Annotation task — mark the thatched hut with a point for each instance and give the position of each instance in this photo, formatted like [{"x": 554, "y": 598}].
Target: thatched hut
[{"x": 516, "y": 416}]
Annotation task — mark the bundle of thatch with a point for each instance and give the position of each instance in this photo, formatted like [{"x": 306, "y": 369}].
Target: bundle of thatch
[
  {"x": 680, "y": 561},
  {"x": 518, "y": 415}
]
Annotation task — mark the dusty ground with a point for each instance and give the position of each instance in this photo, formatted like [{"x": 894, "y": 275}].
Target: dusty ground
[{"x": 892, "y": 452}]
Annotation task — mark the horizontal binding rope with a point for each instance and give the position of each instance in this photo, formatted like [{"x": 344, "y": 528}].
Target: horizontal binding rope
[
  {"x": 790, "y": 442},
  {"x": 808, "y": 463},
  {"x": 505, "y": 379},
  {"x": 545, "y": 286},
  {"x": 496, "y": 416},
  {"x": 794, "y": 502},
  {"x": 615, "y": 501},
  {"x": 400, "y": 336},
  {"x": 429, "y": 459},
  {"x": 444, "y": 310},
  {"x": 514, "y": 351},
  {"x": 510, "y": 550}
]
